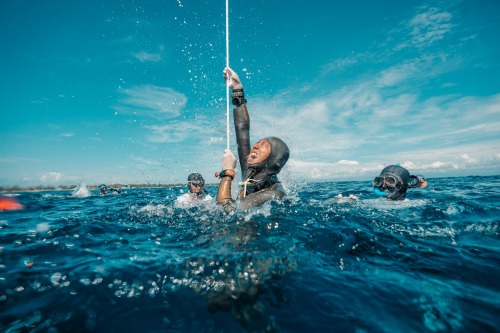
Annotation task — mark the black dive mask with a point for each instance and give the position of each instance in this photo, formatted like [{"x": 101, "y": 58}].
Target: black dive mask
[
  {"x": 197, "y": 183},
  {"x": 386, "y": 181}
]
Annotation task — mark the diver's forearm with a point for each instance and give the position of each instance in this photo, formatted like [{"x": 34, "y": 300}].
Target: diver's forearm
[
  {"x": 224, "y": 195},
  {"x": 242, "y": 128}
]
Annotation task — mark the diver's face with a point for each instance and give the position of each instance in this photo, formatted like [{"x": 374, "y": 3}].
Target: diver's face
[
  {"x": 196, "y": 186},
  {"x": 260, "y": 152},
  {"x": 196, "y": 189},
  {"x": 390, "y": 185}
]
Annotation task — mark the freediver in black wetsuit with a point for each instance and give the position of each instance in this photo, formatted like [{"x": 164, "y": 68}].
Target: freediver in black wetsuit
[
  {"x": 259, "y": 165},
  {"x": 394, "y": 181}
]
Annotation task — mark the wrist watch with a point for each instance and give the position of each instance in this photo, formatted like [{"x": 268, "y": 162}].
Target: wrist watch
[{"x": 238, "y": 97}]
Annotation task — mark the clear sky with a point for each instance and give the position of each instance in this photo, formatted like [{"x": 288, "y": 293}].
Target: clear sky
[{"x": 132, "y": 91}]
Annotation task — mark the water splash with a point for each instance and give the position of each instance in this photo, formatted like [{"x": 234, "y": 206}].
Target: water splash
[{"x": 81, "y": 191}]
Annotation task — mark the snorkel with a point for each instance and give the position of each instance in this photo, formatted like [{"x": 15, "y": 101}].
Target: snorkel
[{"x": 378, "y": 192}]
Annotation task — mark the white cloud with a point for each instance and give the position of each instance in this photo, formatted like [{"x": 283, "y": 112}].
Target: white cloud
[
  {"x": 430, "y": 27},
  {"x": 468, "y": 159},
  {"x": 41, "y": 101},
  {"x": 152, "y": 101},
  {"x": 399, "y": 73},
  {"x": 146, "y": 56},
  {"x": 327, "y": 170},
  {"x": 425, "y": 29},
  {"x": 166, "y": 133},
  {"x": 339, "y": 65},
  {"x": 345, "y": 162},
  {"x": 437, "y": 165},
  {"x": 177, "y": 131},
  {"x": 51, "y": 177},
  {"x": 142, "y": 160}
]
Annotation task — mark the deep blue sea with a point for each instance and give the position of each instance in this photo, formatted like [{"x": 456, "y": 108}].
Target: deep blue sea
[{"x": 317, "y": 262}]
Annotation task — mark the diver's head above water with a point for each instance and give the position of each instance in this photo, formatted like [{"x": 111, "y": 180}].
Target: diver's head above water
[
  {"x": 102, "y": 189},
  {"x": 196, "y": 184},
  {"x": 267, "y": 157},
  {"x": 394, "y": 181}
]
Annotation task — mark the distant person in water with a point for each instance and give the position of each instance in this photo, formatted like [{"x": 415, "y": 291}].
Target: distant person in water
[
  {"x": 394, "y": 181},
  {"x": 103, "y": 190},
  {"x": 260, "y": 164},
  {"x": 196, "y": 190}
]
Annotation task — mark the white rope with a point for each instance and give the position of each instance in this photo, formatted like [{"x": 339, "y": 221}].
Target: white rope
[{"x": 228, "y": 105}]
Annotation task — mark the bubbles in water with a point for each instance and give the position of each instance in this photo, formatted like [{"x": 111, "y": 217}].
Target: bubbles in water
[
  {"x": 453, "y": 210},
  {"x": 55, "y": 278},
  {"x": 383, "y": 204},
  {"x": 42, "y": 227},
  {"x": 85, "y": 281},
  {"x": 155, "y": 210}
]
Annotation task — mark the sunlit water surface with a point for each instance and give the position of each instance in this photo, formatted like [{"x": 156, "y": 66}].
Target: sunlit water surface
[{"x": 78, "y": 262}]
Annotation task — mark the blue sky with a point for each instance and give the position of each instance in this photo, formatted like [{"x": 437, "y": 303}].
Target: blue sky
[{"x": 132, "y": 91}]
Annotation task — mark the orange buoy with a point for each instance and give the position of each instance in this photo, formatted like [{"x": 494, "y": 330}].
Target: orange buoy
[{"x": 8, "y": 203}]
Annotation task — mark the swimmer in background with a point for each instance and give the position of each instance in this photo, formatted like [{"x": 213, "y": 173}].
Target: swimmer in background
[
  {"x": 196, "y": 190},
  {"x": 394, "y": 181},
  {"x": 103, "y": 190},
  {"x": 259, "y": 165}
]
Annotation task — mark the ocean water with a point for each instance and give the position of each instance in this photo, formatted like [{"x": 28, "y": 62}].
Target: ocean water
[{"x": 320, "y": 261}]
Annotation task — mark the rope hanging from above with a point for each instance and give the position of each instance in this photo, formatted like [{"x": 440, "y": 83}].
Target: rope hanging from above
[{"x": 228, "y": 104}]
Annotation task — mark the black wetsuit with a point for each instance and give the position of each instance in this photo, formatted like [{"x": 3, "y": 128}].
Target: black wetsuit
[{"x": 263, "y": 184}]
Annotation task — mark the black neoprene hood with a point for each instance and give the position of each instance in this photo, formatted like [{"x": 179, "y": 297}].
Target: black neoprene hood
[
  {"x": 195, "y": 176},
  {"x": 278, "y": 157},
  {"x": 400, "y": 173}
]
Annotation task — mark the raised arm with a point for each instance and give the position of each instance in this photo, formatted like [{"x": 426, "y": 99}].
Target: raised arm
[{"x": 241, "y": 117}]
